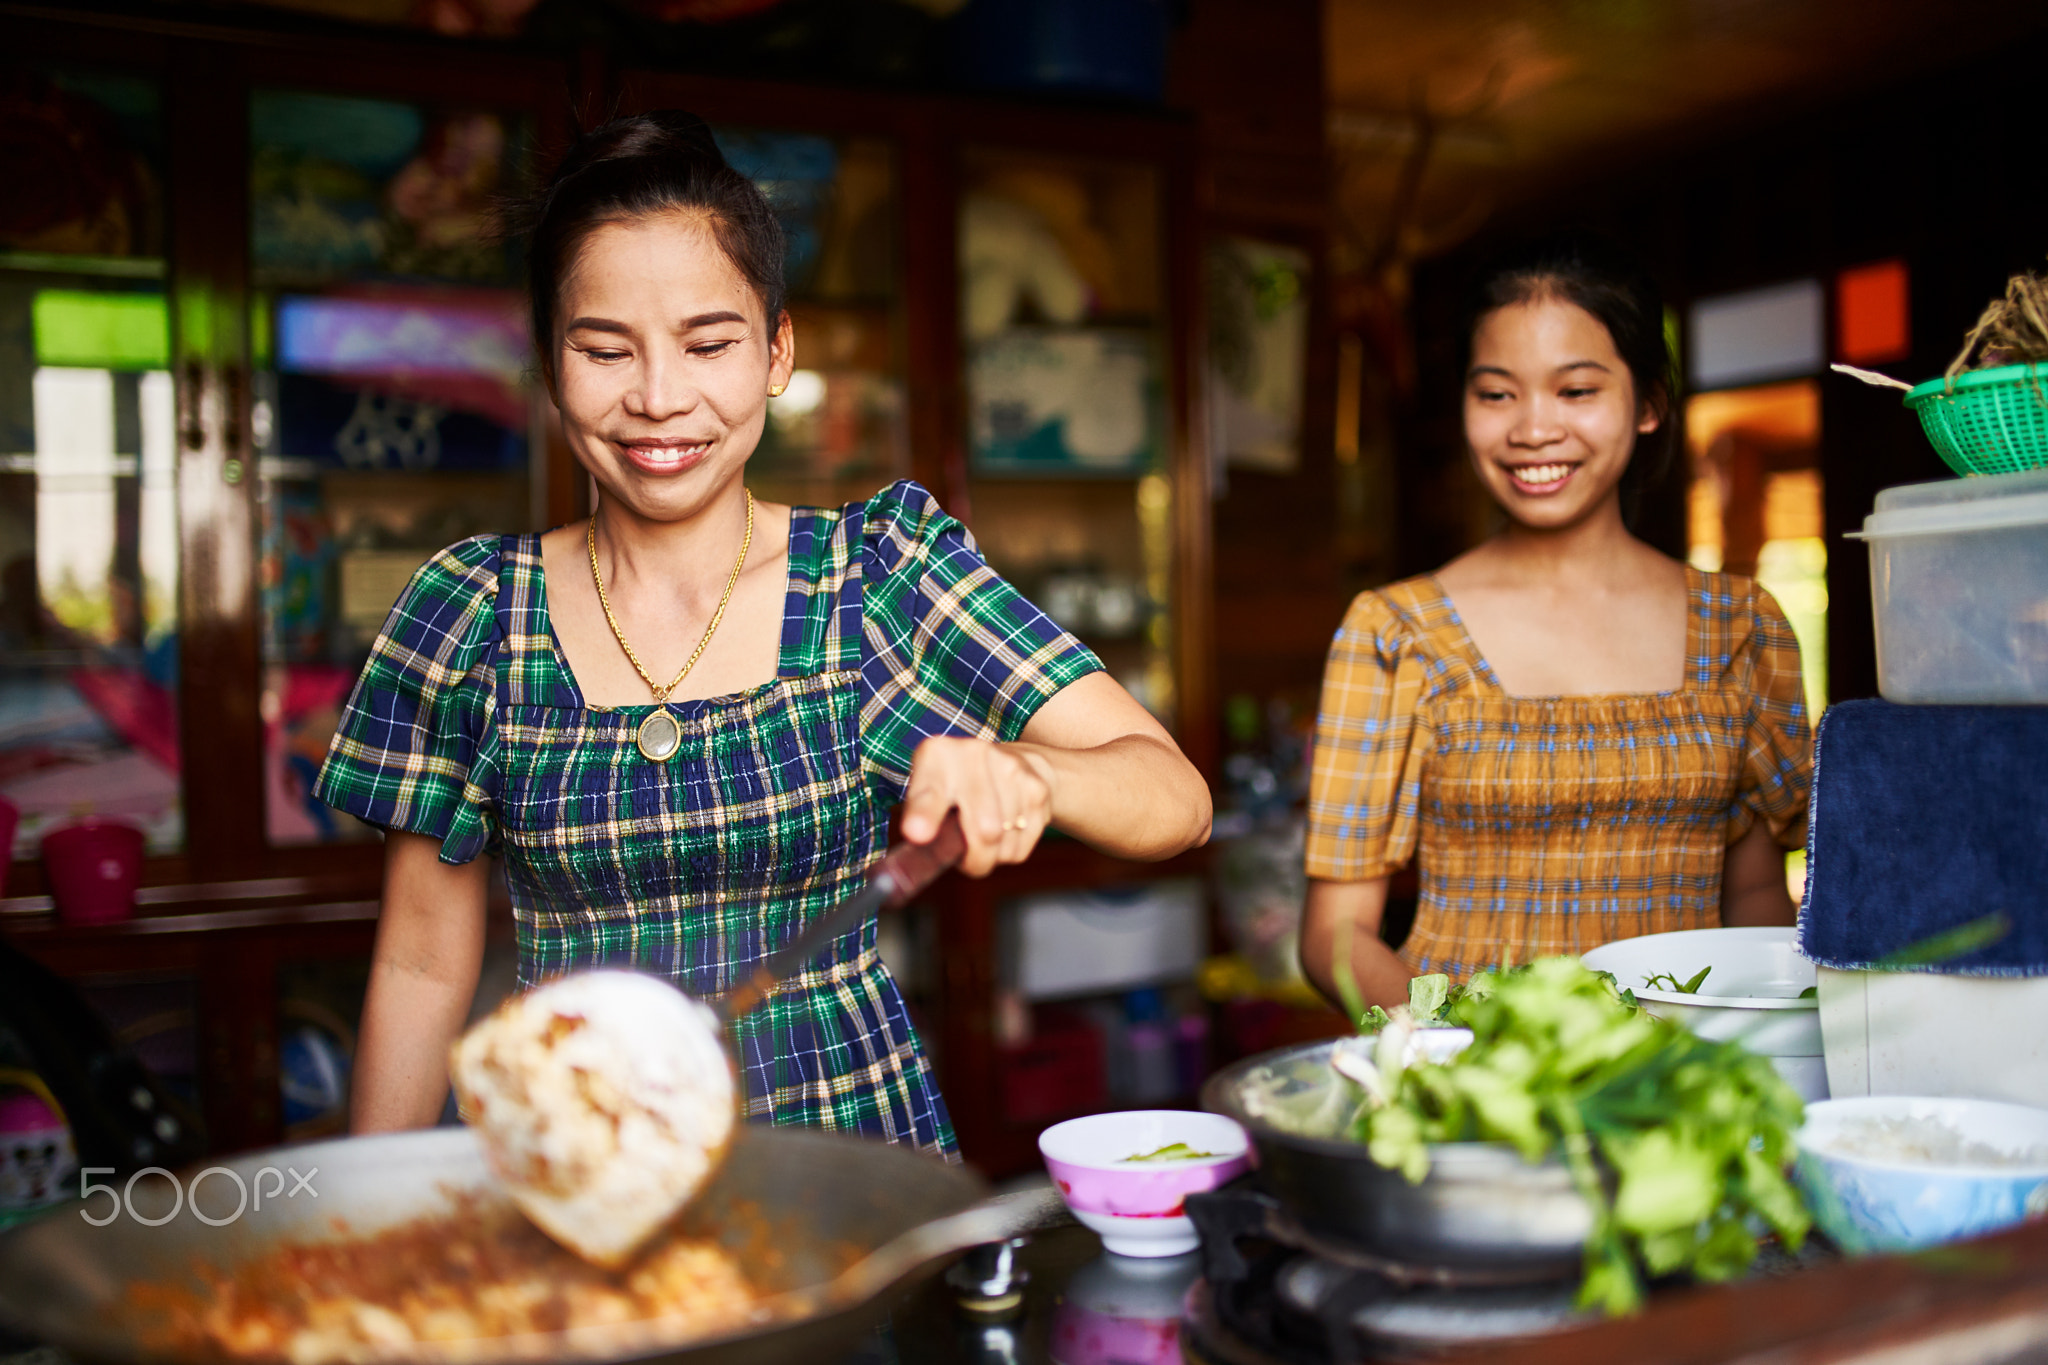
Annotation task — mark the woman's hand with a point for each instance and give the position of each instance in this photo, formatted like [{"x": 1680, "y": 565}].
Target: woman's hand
[
  {"x": 1002, "y": 791},
  {"x": 1091, "y": 761}
]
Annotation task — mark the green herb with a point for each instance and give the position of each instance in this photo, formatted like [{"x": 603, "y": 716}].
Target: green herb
[
  {"x": 1810, "y": 993},
  {"x": 1696, "y": 1134},
  {"x": 1691, "y": 987},
  {"x": 1172, "y": 1151},
  {"x": 1429, "y": 1002},
  {"x": 1428, "y": 998},
  {"x": 1963, "y": 939}
]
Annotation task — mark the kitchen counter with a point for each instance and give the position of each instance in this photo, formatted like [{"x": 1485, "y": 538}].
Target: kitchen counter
[
  {"x": 1980, "y": 1303},
  {"x": 930, "y": 1329}
]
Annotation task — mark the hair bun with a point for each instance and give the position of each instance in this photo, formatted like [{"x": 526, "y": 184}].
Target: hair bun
[
  {"x": 692, "y": 135},
  {"x": 669, "y": 135}
]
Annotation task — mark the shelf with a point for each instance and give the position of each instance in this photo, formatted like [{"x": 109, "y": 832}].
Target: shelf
[
  {"x": 45, "y": 926},
  {"x": 1061, "y": 474},
  {"x": 105, "y": 267}
]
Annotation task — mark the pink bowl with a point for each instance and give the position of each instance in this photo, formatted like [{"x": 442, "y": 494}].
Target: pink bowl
[
  {"x": 1137, "y": 1207},
  {"x": 94, "y": 867}
]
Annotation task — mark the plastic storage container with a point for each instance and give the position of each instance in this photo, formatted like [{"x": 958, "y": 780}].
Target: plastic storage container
[
  {"x": 1110, "y": 938},
  {"x": 1921, "y": 1033},
  {"x": 1959, "y": 584}
]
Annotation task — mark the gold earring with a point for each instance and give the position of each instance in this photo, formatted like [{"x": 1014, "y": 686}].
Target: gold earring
[{"x": 775, "y": 390}]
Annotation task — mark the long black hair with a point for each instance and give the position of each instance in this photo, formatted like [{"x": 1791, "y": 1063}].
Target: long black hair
[
  {"x": 1614, "y": 287},
  {"x": 663, "y": 162}
]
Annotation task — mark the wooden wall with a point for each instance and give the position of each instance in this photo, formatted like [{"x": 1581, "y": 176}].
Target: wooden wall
[{"x": 1251, "y": 74}]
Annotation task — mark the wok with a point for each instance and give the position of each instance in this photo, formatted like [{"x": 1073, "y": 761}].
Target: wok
[
  {"x": 1481, "y": 1214},
  {"x": 826, "y": 1224}
]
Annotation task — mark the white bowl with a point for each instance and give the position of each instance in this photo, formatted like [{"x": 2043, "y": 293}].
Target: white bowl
[
  {"x": 1136, "y": 1206},
  {"x": 1901, "y": 1200},
  {"x": 1752, "y": 993}
]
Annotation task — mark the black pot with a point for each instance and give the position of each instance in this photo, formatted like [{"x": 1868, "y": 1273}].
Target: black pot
[{"x": 1481, "y": 1211}]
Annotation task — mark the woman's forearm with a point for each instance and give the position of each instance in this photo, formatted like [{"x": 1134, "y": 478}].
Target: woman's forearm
[
  {"x": 1341, "y": 923},
  {"x": 430, "y": 940},
  {"x": 1134, "y": 797}
]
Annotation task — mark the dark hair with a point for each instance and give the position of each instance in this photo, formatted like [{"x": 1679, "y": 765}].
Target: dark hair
[
  {"x": 663, "y": 162},
  {"x": 1614, "y": 287}
]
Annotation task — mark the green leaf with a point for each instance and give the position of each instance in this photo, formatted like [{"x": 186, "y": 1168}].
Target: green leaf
[
  {"x": 1775, "y": 1197},
  {"x": 1692, "y": 987},
  {"x": 1398, "y": 1143},
  {"x": 1669, "y": 1250},
  {"x": 1667, "y": 1181},
  {"x": 1610, "y": 1284},
  {"x": 1427, "y": 996},
  {"x": 1172, "y": 1151},
  {"x": 1505, "y": 1109},
  {"x": 1960, "y": 941},
  {"x": 1725, "y": 1252}
]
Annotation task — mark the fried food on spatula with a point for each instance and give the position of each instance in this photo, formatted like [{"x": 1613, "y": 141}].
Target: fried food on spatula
[{"x": 604, "y": 1101}]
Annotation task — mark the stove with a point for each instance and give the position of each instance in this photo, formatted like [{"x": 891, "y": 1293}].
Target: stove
[{"x": 1274, "y": 1292}]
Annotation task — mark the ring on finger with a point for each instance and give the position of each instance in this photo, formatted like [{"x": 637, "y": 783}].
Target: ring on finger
[{"x": 1019, "y": 823}]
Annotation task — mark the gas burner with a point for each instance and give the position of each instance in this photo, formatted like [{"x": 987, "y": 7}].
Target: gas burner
[
  {"x": 1393, "y": 1320},
  {"x": 1275, "y": 1294}
]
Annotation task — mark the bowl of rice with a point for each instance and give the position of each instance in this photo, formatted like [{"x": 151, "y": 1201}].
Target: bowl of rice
[{"x": 1900, "y": 1172}]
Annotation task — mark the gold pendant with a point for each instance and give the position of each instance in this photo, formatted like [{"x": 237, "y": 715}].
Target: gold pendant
[{"x": 659, "y": 737}]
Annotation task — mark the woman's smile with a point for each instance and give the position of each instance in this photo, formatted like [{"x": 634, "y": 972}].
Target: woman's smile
[
  {"x": 662, "y": 455},
  {"x": 1541, "y": 480}
]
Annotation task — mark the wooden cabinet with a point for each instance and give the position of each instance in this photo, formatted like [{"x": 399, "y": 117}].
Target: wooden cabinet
[{"x": 997, "y": 300}]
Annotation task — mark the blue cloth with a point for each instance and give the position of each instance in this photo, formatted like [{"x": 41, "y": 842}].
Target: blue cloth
[{"x": 1924, "y": 819}]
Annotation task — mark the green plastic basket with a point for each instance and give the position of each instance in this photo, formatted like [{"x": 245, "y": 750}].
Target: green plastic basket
[{"x": 1992, "y": 422}]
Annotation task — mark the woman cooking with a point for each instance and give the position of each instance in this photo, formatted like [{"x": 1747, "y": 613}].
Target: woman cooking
[
  {"x": 682, "y": 723},
  {"x": 1577, "y": 738}
]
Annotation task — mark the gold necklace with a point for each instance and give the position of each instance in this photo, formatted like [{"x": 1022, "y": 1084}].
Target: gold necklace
[{"x": 659, "y": 736}]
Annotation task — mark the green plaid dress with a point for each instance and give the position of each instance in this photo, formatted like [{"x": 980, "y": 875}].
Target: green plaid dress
[{"x": 468, "y": 727}]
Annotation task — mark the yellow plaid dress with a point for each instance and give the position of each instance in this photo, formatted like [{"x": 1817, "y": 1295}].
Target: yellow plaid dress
[{"x": 1552, "y": 824}]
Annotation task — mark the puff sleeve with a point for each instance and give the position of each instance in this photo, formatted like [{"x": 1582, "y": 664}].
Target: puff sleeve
[
  {"x": 1365, "y": 779},
  {"x": 949, "y": 647},
  {"x": 417, "y": 747},
  {"x": 1777, "y": 753}
]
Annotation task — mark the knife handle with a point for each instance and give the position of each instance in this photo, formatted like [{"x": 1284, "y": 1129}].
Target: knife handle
[{"x": 909, "y": 868}]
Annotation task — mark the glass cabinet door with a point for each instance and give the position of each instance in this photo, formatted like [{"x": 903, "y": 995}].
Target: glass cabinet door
[
  {"x": 1061, "y": 288},
  {"x": 393, "y": 413},
  {"x": 88, "y": 514},
  {"x": 839, "y": 431}
]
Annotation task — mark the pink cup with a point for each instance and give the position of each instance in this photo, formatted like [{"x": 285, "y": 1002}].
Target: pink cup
[{"x": 93, "y": 867}]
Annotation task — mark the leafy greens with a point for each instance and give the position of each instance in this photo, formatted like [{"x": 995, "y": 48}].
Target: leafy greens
[
  {"x": 1172, "y": 1151},
  {"x": 1695, "y": 1134},
  {"x": 1674, "y": 985}
]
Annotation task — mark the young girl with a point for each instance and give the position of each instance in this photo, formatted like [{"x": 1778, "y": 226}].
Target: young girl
[
  {"x": 1578, "y": 738},
  {"x": 684, "y": 722}
]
